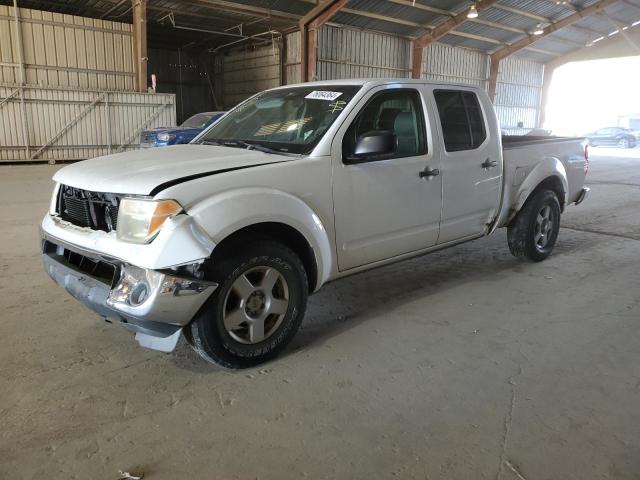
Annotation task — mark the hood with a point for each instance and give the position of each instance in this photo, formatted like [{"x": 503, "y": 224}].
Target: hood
[{"x": 140, "y": 172}]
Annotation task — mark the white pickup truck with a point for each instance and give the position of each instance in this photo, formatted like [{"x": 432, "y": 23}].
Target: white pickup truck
[{"x": 222, "y": 240}]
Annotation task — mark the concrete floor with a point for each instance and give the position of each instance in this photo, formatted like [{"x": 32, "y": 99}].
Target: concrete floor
[{"x": 465, "y": 364}]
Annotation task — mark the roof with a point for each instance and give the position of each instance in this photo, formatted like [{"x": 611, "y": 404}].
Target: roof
[
  {"x": 207, "y": 23},
  {"x": 373, "y": 82}
]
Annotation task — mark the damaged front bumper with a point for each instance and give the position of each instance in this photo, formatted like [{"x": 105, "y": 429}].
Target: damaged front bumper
[{"x": 155, "y": 304}]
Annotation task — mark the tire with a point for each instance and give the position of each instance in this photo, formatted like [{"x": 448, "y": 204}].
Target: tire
[
  {"x": 533, "y": 233},
  {"x": 258, "y": 280},
  {"x": 623, "y": 143}
]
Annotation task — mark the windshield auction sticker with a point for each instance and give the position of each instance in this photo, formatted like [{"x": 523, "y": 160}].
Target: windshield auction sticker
[{"x": 323, "y": 95}]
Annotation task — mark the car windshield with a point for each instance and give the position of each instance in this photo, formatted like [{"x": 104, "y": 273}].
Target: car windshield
[
  {"x": 197, "y": 121},
  {"x": 289, "y": 120}
]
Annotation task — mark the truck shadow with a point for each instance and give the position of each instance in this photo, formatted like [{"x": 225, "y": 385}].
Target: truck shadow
[
  {"x": 346, "y": 303},
  {"x": 351, "y": 301}
]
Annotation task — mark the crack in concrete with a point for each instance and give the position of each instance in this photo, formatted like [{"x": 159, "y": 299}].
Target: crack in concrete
[
  {"x": 514, "y": 470},
  {"x": 508, "y": 419},
  {"x": 588, "y": 230}
]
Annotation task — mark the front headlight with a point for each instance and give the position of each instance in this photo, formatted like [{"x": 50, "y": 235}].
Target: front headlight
[
  {"x": 140, "y": 220},
  {"x": 165, "y": 137}
]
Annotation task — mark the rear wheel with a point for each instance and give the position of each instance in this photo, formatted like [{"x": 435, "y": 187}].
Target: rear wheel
[
  {"x": 533, "y": 233},
  {"x": 256, "y": 309}
]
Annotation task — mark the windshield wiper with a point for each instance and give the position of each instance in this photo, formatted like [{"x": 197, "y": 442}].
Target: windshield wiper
[
  {"x": 253, "y": 146},
  {"x": 244, "y": 144},
  {"x": 240, "y": 144}
]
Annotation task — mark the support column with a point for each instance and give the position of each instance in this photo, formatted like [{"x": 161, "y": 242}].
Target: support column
[
  {"x": 494, "y": 69},
  {"x": 546, "y": 83},
  {"x": 309, "y": 25},
  {"x": 140, "y": 43},
  {"x": 23, "y": 81},
  {"x": 416, "y": 66}
]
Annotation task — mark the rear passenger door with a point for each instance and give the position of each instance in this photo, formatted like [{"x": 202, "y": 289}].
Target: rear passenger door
[{"x": 471, "y": 165}]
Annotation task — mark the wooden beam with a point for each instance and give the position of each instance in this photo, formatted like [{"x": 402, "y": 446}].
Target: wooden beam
[
  {"x": 565, "y": 22},
  {"x": 437, "y": 33},
  {"x": 140, "y": 43},
  {"x": 309, "y": 25}
]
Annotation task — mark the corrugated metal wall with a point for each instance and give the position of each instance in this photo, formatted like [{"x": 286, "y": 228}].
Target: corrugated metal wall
[
  {"x": 444, "y": 63},
  {"x": 519, "y": 95},
  {"x": 190, "y": 76},
  {"x": 65, "y": 50},
  {"x": 53, "y": 124},
  {"x": 349, "y": 53},
  {"x": 249, "y": 72},
  {"x": 292, "y": 64}
]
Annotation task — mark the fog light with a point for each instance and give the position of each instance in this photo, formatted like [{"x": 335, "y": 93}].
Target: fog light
[
  {"x": 139, "y": 294},
  {"x": 135, "y": 286}
]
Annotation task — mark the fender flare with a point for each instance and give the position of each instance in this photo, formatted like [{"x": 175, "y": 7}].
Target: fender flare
[
  {"x": 547, "y": 168},
  {"x": 230, "y": 211}
]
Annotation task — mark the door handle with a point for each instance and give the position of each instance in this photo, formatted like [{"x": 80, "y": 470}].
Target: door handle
[
  {"x": 488, "y": 163},
  {"x": 429, "y": 172}
]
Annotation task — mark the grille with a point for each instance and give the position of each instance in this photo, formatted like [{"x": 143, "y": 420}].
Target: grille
[
  {"x": 98, "y": 211},
  {"x": 106, "y": 272},
  {"x": 146, "y": 138}
]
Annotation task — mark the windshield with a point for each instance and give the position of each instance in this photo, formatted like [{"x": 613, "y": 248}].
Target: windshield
[
  {"x": 197, "y": 121},
  {"x": 290, "y": 120}
]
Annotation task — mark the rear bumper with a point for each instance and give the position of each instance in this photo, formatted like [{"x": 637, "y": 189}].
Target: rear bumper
[
  {"x": 582, "y": 195},
  {"x": 156, "y": 316}
]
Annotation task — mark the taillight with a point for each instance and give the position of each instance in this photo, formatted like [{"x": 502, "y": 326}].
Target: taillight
[{"x": 586, "y": 159}]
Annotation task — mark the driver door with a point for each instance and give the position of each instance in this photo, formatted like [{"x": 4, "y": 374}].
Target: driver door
[{"x": 384, "y": 206}]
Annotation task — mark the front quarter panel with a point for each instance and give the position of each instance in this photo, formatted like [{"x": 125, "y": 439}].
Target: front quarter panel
[{"x": 232, "y": 210}]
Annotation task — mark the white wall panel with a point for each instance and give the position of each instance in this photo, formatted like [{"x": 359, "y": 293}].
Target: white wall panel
[
  {"x": 76, "y": 124},
  {"x": 519, "y": 94},
  {"x": 66, "y": 50},
  {"x": 248, "y": 72},
  {"x": 349, "y": 53},
  {"x": 444, "y": 63}
]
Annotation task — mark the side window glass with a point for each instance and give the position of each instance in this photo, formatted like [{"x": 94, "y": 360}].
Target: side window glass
[
  {"x": 462, "y": 121},
  {"x": 454, "y": 121},
  {"x": 476, "y": 119},
  {"x": 398, "y": 112}
]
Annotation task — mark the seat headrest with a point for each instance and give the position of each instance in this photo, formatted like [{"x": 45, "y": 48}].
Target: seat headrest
[
  {"x": 387, "y": 118},
  {"x": 404, "y": 124}
]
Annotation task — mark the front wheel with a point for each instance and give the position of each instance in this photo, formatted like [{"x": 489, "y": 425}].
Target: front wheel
[
  {"x": 533, "y": 233},
  {"x": 623, "y": 143},
  {"x": 256, "y": 309}
]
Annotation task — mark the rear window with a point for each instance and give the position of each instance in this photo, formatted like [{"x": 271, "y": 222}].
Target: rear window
[{"x": 462, "y": 120}]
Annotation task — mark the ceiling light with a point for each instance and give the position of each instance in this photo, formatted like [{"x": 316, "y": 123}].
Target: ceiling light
[
  {"x": 473, "y": 12},
  {"x": 539, "y": 30}
]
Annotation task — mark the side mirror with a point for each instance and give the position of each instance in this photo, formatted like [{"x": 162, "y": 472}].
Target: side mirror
[{"x": 372, "y": 144}]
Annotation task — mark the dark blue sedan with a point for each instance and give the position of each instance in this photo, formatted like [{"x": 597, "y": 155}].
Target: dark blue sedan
[{"x": 161, "y": 137}]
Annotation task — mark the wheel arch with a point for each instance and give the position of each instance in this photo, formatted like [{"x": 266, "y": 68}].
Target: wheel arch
[
  {"x": 280, "y": 232},
  {"x": 268, "y": 212}
]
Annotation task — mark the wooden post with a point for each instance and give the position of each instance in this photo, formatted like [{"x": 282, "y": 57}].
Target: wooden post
[
  {"x": 416, "y": 66},
  {"x": 140, "y": 43},
  {"x": 23, "y": 81},
  {"x": 309, "y": 25},
  {"x": 494, "y": 69}
]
